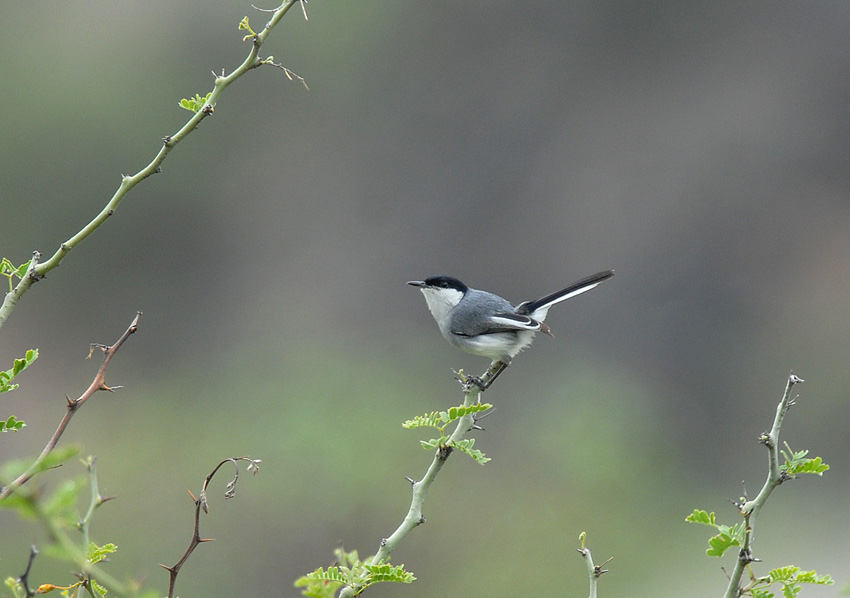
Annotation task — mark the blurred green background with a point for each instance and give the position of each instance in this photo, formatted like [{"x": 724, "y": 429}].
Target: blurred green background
[{"x": 699, "y": 149}]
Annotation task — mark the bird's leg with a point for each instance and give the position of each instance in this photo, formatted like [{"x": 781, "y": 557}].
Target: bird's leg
[{"x": 497, "y": 367}]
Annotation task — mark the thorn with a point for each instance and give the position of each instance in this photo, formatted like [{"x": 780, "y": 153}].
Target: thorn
[
  {"x": 100, "y": 346},
  {"x": 166, "y": 567},
  {"x": 71, "y": 402},
  {"x": 192, "y": 495},
  {"x": 598, "y": 570},
  {"x": 411, "y": 480},
  {"x": 481, "y": 415},
  {"x": 206, "y": 539}
]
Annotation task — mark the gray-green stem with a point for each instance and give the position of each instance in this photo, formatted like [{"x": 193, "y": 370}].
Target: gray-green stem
[
  {"x": 751, "y": 508},
  {"x": 419, "y": 489},
  {"x": 414, "y": 515}
]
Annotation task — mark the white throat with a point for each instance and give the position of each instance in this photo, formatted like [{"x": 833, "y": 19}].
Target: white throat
[{"x": 441, "y": 301}]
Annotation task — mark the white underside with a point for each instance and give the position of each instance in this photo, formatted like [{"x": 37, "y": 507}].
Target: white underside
[{"x": 501, "y": 346}]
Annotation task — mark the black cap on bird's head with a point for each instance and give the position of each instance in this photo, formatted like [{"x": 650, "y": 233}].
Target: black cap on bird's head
[{"x": 440, "y": 282}]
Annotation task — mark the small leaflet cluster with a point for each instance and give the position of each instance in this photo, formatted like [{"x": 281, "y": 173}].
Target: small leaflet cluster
[
  {"x": 350, "y": 571},
  {"x": 440, "y": 419}
]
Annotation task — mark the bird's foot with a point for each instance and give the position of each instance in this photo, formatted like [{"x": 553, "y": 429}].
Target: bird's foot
[{"x": 468, "y": 381}]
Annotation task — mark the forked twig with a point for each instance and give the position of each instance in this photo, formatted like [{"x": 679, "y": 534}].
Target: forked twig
[{"x": 201, "y": 503}]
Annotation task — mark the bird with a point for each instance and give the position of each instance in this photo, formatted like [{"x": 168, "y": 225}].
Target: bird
[{"x": 486, "y": 324}]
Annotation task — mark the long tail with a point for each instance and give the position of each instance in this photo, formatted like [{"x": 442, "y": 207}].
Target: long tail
[{"x": 577, "y": 288}]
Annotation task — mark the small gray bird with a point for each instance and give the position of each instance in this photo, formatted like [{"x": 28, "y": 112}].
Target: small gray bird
[{"x": 485, "y": 324}]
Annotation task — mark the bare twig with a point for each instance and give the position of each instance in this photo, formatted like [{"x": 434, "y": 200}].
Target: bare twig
[
  {"x": 24, "y": 579},
  {"x": 99, "y": 383},
  {"x": 291, "y": 75},
  {"x": 201, "y": 503}
]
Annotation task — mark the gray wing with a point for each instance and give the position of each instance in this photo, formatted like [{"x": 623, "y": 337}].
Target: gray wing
[{"x": 491, "y": 315}]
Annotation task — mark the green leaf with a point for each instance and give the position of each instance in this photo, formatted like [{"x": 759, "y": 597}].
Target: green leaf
[
  {"x": 790, "y": 590},
  {"x": 386, "y": 572},
  {"x": 460, "y": 411},
  {"x": 439, "y": 419},
  {"x": 430, "y": 445},
  {"x": 815, "y": 466},
  {"x": 351, "y": 572},
  {"x": 429, "y": 420},
  {"x": 196, "y": 103},
  {"x": 12, "y": 424},
  {"x": 813, "y": 577},
  {"x": 95, "y": 553},
  {"x": 98, "y": 589},
  {"x": 796, "y": 462},
  {"x": 793, "y": 574},
  {"x": 728, "y": 537},
  {"x": 718, "y": 544},
  {"x": 18, "y": 366},
  {"x": 10, "y": 271},
  {"x": 465, "y": 446},
  {"x": 699, "y": 516},
  {"x": 321, "y": 583}
]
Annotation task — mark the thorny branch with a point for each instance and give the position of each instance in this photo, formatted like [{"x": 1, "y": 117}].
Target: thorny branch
[
  {"x": 99, "y": 383},
  {"x": 201, "y": 503}
]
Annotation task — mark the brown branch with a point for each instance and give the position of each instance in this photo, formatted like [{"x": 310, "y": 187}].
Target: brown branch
[
  {"x": 201, "y": 503},
  {"x": 99, "y": 383}
]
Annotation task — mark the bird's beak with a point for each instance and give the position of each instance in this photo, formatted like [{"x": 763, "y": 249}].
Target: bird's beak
[{"x": 417, "y": 283}]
